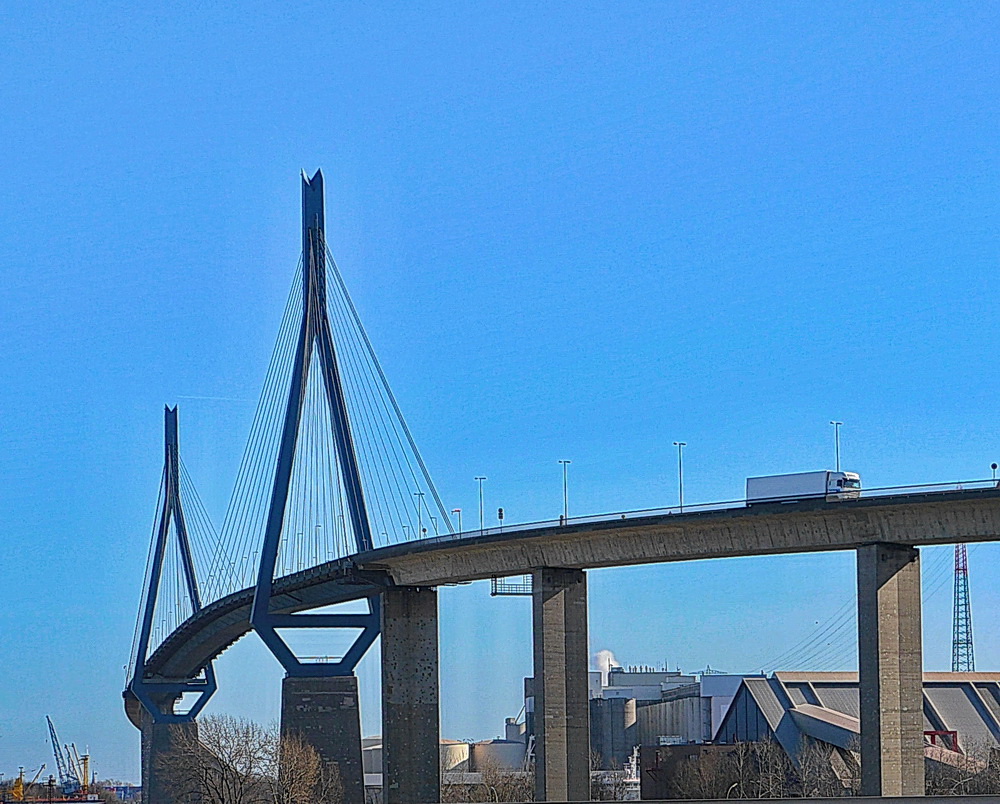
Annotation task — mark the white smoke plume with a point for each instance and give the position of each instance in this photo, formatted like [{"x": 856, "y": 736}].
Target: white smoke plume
[{"x": 604, "y": 660}]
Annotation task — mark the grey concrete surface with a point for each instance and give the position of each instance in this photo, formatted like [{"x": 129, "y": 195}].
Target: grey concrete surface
[
  {"x": 324, "y": 712},
  {"x": 163, "y": 746},
  {"x": 411, "y": 719},
  {"x": 561, "y": 663},
  {"x": 890, "y": 667}
]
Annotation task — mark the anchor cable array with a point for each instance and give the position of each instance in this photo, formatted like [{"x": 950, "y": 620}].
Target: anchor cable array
[
  {"x": 173, "y": 604},
  {"x": 401, "y": 501},
  {"x": 834, "y": 641}
]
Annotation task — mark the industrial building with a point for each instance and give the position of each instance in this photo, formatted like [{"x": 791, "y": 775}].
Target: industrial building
[
  {"x": 961, "y": 710},
  {"x": 462, "y": 763},
  {"x": 800, "y": 711},
  {"x": 637, "y": 706},
  {"x": 677, "y": 716}
]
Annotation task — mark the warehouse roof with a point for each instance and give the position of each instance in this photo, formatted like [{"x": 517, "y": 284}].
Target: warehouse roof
[{"x": 825, "y": 706}]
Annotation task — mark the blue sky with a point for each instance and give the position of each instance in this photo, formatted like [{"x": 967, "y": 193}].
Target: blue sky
[{"x": 575, "y": 230}]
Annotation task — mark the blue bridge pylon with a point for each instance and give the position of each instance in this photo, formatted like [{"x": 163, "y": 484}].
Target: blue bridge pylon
[
  {"x": 315, "y": 352},
  {"x": 330, "y": 470},
  {"x": 164, "y": 600}
]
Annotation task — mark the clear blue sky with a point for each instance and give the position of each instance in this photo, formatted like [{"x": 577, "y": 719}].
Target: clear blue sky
[{"x": 577, "y": 230}]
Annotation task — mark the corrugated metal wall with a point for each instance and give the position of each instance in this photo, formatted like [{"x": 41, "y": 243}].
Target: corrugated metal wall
[{"x": 683, "y": 718}]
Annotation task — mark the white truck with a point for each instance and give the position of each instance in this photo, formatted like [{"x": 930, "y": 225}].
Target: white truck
[{"x": 803, "y": 486}]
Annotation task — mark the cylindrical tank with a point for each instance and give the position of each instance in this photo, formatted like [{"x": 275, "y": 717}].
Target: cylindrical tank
[
  {"x": 454, "y": 756},
  {"x": 497, "y": 754},
  {"x": 512, "y": 730}
]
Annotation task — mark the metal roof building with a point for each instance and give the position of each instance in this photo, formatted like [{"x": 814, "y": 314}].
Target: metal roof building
[{"x": 961, "y": 710}]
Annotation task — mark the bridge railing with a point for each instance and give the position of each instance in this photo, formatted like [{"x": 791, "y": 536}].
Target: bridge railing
[{"x": 696, "y": 508}]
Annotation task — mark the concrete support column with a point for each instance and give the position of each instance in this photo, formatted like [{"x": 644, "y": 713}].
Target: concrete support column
[
  {"x": 324, "y": 712},
  {"x": 562, "y": 708},
  {"x": 890, "y": 666},
  {"x": 411, "y": 720},
  {"x": 167, "y": 756}
]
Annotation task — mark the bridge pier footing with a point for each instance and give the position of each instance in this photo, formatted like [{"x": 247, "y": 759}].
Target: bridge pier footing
[
  {"x": 166, "y": 755},
  {"x": 890, "y": 665},
  {"x": 561, "y": 664},
  {"x": 411, "y": 720},
  {"x": 324, "y": 712}
]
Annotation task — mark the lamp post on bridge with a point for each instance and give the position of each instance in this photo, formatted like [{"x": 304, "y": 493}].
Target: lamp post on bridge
[
  {"x": 836, "y": 441},
  {"x": 420, "y": 513},
  {"x": 680, "y": 472},
  {"x": 565, "y": 474},
  {"x": 458, "y": 513},
  {"x": 482, "y": 521}
]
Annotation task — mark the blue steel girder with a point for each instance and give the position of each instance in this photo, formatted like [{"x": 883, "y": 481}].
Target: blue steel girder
[
  {"x": 314, "y": 333},
  {"x": 158, "y": 695}
]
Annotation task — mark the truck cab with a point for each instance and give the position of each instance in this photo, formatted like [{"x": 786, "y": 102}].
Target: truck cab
[{"x": 846, "y": 485}]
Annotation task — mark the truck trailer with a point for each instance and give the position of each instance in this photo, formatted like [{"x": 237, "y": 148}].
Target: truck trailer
[{"x": 803, "y": 486}]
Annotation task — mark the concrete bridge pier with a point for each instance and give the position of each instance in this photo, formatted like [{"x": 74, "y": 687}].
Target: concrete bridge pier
[
  {"x": 324, "y": 712},
  {"x": 411, "y": 720},
  {"x": 562, "y": 708},
  {"x": 890, "y": 665},
  {"x": 166, "y": 750}
]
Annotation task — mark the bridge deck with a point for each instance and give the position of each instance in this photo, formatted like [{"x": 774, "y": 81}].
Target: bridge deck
[{"x": 770, "y": 529}]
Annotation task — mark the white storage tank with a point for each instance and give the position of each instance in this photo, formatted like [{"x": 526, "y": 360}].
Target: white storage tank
[
  {"x": 497, "y": 754},
  {"x": 455, "y": 756}
]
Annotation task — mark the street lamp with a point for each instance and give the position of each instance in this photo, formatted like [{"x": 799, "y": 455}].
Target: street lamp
[
  {"x": 458, "y": 513},
  {"x": 680, "y": 472},
  {"x": 836, "y": 440},
  {"x": 482, "y": 523},
  {"x": 565, "y": 515},
  {"x": 420, "y": 513}
]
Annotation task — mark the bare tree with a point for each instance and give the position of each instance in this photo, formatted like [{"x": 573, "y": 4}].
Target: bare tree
[
  {"x": 711, "y": 775},
  {"x": 302, "y": 777},
  {"x": 225, "y": 766},
  {"x": 495, "y": 783},
  {"x": 745, "y": 770},
  {"x": 237, "y": 761},
  {"x": 815, "y": 769},
  {"x": 975, "y": 770},
  {"x": 776, "y": 776}
]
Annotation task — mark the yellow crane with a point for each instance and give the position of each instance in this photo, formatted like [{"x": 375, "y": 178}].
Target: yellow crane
[{"x": 18, "y": 790}]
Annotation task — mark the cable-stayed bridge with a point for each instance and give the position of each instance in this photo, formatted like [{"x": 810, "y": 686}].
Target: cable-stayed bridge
[{"x": 333, "y": 503}]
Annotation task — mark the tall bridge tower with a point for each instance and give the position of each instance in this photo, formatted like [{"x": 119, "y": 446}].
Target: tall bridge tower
[
  {"x": 330, "y": 471},
  {"x": 313, "y": 687}
]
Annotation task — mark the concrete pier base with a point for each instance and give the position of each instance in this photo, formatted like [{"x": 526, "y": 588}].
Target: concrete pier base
[
  {"x": 890, "y": 664},
  {"x": 167, "y": 759},
  {"x": 411, "y": 720},
  {"x": 324, "y": 712},
  {"x": 562, "y": 708}
]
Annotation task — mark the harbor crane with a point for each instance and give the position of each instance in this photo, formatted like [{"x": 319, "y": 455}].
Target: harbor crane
[
  {"x": 20, "y": 786},
  {"x": 69, "y": 777}
]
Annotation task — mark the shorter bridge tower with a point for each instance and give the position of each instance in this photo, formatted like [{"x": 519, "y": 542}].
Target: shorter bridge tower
[{"x": 164, "y": 728}]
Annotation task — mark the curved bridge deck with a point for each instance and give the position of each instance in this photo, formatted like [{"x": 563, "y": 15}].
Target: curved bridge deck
[{"x": 817, "y": 525}]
